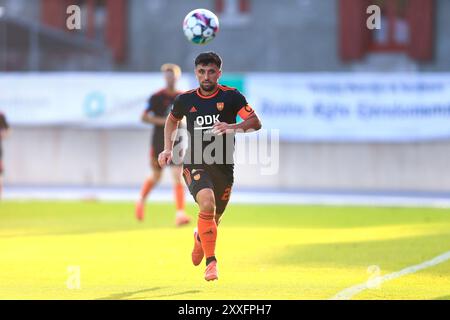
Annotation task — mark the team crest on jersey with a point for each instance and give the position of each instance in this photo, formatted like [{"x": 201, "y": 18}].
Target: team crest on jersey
[
  {"x": 196, "y": 174},
  {"x": 220, "y": 106}
]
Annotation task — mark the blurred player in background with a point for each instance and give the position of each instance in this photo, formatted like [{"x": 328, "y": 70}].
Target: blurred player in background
[
  {"x": 4, "y": 131},
  {"x": 156, "y": 113},
  {"x": 211, "y": 112}
]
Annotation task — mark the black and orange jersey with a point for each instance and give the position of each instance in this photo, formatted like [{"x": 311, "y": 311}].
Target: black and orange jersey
[
  {"x": 159, "y": 104},
  {"x": 201, "y": 113}
]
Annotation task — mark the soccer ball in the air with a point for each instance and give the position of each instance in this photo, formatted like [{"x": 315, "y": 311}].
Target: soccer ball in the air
[{"x": 200, "y": 26}]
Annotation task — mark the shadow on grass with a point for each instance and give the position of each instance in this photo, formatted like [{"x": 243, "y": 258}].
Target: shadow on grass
[
  {"x": 393, "y": 254},
  {"x": 125, "y": 295},
  {"x": 129, "y": 295},
  {"x": 177, "y": 294},
  {"x": 443, "y": 298}
]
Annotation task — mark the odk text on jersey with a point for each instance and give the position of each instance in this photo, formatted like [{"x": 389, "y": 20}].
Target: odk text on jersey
[{"x": 202, "y": 112}]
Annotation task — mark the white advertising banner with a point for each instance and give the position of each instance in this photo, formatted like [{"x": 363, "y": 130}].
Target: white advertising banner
[
  {"x": 303, "y": 107},
  {"x": 353, "y": 107},
  {"x": 78, "y": 99}
]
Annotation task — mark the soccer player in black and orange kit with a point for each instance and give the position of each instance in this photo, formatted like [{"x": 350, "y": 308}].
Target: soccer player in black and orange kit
[
  {"x": 156, "y": 113},
  {"x": 4, "y": 131},
  {"x": 211, "y": 112}
]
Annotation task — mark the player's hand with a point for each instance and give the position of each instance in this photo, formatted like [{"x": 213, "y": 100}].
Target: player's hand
[
  {"x": 165, "y": 158},
  {"x": 220, "y": 128}
]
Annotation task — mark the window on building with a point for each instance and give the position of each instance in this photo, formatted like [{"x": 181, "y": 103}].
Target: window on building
[
  {"x": 407, "y": 26},
  {"x": 394, "y": 34},
  {"x": 102, "y": 20},
  {"x": 93, "y": 18},
  {"x": 232, "y": 6},
  {"x": 233, "y": 12}
]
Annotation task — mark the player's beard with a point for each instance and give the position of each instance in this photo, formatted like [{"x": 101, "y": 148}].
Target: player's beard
[{"x": 208, "y": 87}]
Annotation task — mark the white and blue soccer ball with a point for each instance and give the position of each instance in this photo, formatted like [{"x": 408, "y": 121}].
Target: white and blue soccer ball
[{"x": 200, "y": 26}]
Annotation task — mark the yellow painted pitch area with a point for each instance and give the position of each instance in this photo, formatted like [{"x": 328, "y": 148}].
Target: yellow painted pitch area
[{"x": 264, "y": 252}]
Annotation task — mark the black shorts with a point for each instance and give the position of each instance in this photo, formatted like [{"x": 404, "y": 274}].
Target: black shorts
[{"x": 198, "y": 177}]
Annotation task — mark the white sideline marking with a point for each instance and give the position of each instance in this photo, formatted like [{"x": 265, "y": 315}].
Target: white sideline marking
[{"x": 348, "y": 293}]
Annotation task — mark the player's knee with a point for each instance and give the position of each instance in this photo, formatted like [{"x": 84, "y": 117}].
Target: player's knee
[
  {"x": 208, "y": 204},
  {"x": 156, "y": 176}
]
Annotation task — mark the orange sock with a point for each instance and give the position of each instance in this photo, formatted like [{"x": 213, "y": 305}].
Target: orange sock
[
  {"x": 147, "y": 187},
  {"x": 207, "y": 230},
  {"x": 179, "y": 196}
]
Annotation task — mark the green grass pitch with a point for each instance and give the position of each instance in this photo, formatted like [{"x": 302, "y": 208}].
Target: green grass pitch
[{"x": 264, "y": 252}]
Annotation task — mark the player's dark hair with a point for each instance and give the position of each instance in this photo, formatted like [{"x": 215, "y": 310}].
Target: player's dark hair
[{"x": 207, "y": 58}]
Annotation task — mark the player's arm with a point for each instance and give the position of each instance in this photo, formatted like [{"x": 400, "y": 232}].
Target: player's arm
[
  {"x": 170, "y": 131},
  {"x": 148, "y": 114},
  {"x": 147, "y": 117},
  {"x": 250, "y": 121}
]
